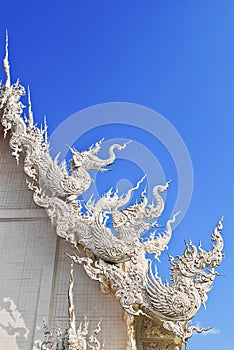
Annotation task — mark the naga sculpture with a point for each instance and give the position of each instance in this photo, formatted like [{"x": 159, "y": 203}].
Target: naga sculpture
[{"x": 110, "y": 230}]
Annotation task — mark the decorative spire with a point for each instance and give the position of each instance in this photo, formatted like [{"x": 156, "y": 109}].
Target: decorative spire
[
  {"x": 6, "y": 64},
  {"x": 30, "y": 113},
  {"x": 45, "y": 130},
  {"x": 71, "y": 310},
  {"x": 72, "y": 338}
]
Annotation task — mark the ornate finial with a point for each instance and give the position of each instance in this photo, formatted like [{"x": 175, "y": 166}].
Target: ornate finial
[
  {"x": 45, "y": 130},
  {"x": 71, "y": 311},
  {"x": 6, "y": 64},
  {"x": 220, "y": 223},
  {"x": 30, "y": 113}
]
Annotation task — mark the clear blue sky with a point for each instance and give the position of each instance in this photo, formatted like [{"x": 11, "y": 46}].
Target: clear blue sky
[{"x": 175, "y": 57}]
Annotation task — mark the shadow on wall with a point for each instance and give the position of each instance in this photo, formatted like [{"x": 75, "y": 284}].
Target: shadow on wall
[{"x": 12, "y": 325}]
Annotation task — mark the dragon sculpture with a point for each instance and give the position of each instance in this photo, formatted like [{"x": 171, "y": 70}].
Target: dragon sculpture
[{"x": 110, "y": 230}]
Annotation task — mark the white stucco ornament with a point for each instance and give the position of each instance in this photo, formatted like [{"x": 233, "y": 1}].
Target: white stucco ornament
[
  {"x": 72, "y": 338},
  {"x": 116, "y": 253}
]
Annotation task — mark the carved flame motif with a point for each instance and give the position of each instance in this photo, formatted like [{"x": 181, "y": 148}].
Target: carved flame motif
[
  {"x": 72, "y": 338},
  {"x": 116, "y": 256}
]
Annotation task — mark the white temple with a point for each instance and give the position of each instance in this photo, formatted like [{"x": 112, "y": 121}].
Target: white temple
[{"x": 114, "y": 301}]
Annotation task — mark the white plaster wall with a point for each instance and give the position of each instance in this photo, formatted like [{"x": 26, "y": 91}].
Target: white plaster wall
[
  {"x": 34, "y": 276},
  {"x": 27, "y": 254}
]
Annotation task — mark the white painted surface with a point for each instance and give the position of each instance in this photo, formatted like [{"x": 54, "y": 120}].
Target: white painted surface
[{"x": 33, "y": 279}]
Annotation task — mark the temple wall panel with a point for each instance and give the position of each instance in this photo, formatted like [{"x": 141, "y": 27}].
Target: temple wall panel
[
  {"x": 34, "y": 271},
  {"x": 27, "y": 246}
]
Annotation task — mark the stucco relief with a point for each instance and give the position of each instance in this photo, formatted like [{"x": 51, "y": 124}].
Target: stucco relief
[{"x": 111, "y": 229}]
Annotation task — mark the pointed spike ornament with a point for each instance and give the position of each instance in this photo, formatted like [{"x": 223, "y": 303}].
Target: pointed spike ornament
[
  {"x": 45, "y": 131},
  {"x": 71, "y": 310},
  {"x": 6, "y": 64},
  {"x": 72, "y": 338},
  {"x": 30, "y": 113}
]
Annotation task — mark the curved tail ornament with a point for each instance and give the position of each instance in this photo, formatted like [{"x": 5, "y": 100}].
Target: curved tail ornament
[{"x": 192, "y": 276}]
